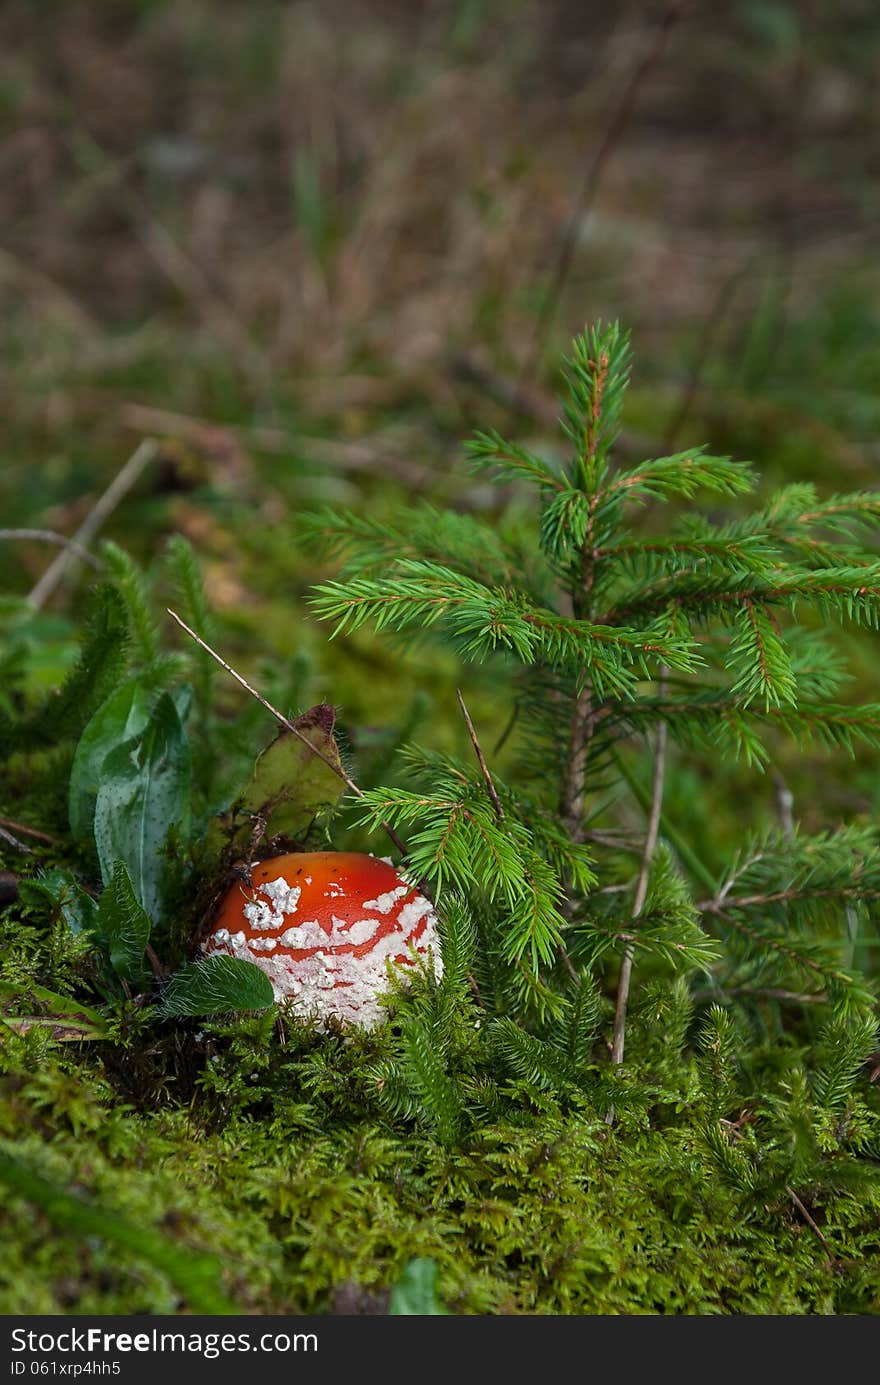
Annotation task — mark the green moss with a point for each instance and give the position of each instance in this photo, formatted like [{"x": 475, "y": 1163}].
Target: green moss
[{"x": 271, "y": 1150}]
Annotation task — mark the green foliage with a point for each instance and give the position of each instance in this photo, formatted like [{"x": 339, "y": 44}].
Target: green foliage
[
  {"x": 416, "y": 1290},
  {"x": 122, "y": 925},
  {"x": 143, "y": 795},
  {"x": 216, "y": 985},
  {"x": 280, "y": 1159},
  {"x": 121, "y": 718},
  {"x": 479, "y": 1149},
  {"x": 63, "y": 714},
  {"x": 618, "y": 633},
  {"x": 458, "y": 840},
  {"x": 291, "y": 785},
  {"x": 669, "y": 925},
  {"x": 197, "y": 1277},
  {"x": 190, "y": 596},
  {"x": 132, "y": 587}
]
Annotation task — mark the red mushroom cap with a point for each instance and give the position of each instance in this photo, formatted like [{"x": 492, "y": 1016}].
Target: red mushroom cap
[{"x": 323, "y": 926}]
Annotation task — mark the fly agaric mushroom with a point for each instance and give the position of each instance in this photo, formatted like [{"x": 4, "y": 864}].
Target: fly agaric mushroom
[{"x": 323, "y": 925}]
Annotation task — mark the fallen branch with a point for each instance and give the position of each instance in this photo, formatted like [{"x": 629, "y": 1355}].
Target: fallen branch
[
  {"x": 14, "y": 842},
  {"x": 26, "y": 831}
]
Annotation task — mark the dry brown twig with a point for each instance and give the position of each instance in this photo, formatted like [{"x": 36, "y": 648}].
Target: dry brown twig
[
  {"x": 338, "y": 454},
  {"x": 11, "y": 825},
  {"x": 623, "y": 984},
  {"x": 481, "y": 759},
  {"x": 811, "y": 1222},
  {"x": 761, "y": 993},
  {"x": 14, "y": 842}
]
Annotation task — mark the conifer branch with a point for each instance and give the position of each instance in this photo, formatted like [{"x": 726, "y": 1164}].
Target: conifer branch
[{"x": 591, "y": 612}]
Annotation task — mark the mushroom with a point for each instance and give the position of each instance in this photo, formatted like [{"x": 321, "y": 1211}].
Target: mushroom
[{"x": 323, "y": 926}]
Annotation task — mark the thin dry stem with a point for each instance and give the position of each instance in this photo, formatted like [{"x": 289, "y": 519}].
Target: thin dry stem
[
  {"x": 286, "y": 723},
  {"x": 481, "y": 759},
  {"x": 784, "y": 805},
  {"x": 125, "y": 478},
  {"x": 14, "y": 842},
  {"x": 159, "y": 971},
  {"x": 574, "y": 786},
  {"x": 762, "y": 993},
  {"x": 50, "y": 536},
  {"x": 641, "y": 893},
  {"x": 812, "y": 1224}
]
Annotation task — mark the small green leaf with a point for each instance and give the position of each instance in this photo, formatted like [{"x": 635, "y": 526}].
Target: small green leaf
[
  {"x": 144, "y": 792},
  {"x": 78, "y": 909},
  {"x": 216, "y": 986},
  {"x": 121, "y": 718},
  {"x": 122, "y": 926},
  {"x": 416, "y": 1290},
  {"x": 291, "y": 784}
]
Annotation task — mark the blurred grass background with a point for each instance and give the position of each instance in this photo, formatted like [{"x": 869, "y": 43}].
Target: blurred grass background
[{"x": 308, "y": 246}]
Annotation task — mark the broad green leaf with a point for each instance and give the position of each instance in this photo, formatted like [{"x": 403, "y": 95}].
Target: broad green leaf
[
  {"x": 121, "y": 718},
  {"x": 123, "y": 925},
  {"x": 216, "y": 986},
  {"x": 144, "y": 792},
  {"x": 416, "y": 1290},
  {"x": 291, "y": 784}
]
